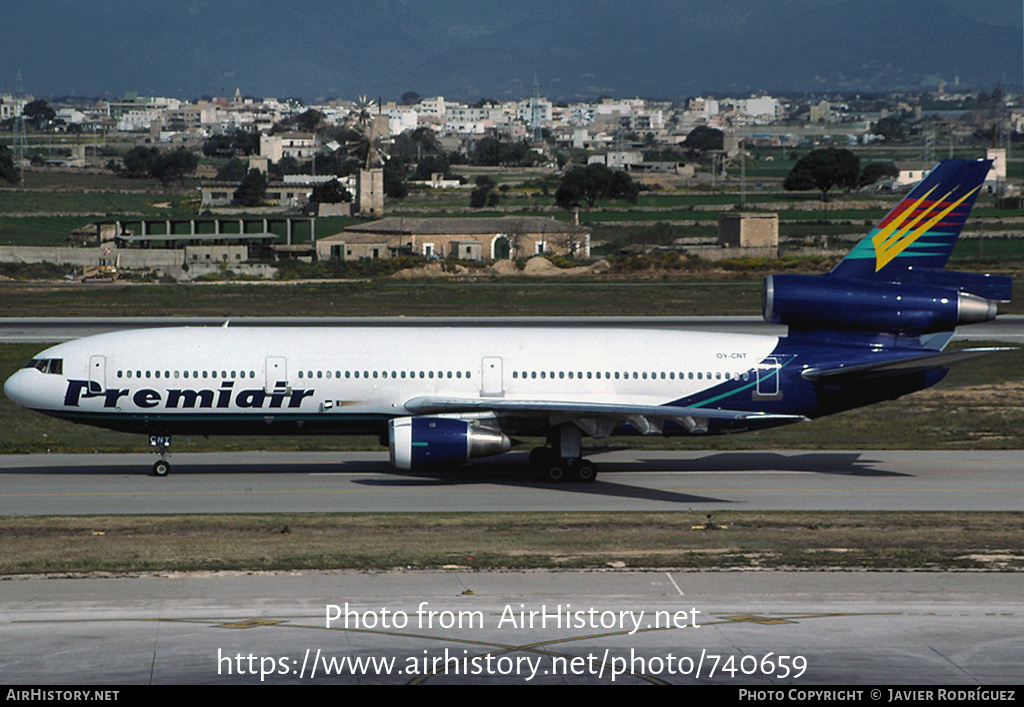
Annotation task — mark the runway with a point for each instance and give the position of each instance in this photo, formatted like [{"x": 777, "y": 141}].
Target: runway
[
  {"x": 244, "y": 482},
  {"x": 780, "y": 631}
]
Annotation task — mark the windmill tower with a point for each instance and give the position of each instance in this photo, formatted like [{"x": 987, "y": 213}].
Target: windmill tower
[
  {"x": 373, "y": 130},
  {"x": 20, "y": 136}
]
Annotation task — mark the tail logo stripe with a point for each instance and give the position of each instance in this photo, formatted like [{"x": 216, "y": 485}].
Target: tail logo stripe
[{"x": 889, "y": 245}]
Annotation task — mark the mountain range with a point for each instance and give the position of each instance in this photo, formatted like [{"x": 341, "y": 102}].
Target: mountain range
[{"x": 471, "y": 49}]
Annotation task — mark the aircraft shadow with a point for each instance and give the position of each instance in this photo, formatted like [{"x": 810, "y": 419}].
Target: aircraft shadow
[
  {"x": 842, "y": 463},
  {"x": 518, "y": 475},
  {"x": 510, "y": 468}
]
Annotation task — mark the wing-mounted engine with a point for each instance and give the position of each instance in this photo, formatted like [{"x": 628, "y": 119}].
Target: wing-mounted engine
[{"x": 415, "y": 442}]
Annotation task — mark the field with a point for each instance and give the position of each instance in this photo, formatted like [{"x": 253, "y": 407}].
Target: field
[{"x": 468, "y": 541}]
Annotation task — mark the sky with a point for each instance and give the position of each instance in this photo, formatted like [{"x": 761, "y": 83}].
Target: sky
[{"x": 472, "y": 49}]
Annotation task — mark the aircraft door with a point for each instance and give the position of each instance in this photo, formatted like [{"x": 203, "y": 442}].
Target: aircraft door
[
  {"x": 275, "y": 371},
  {"x": 97, "y": 374},
  {"x": 768, "y": 380},
  {"x": 492, "y": 383}
]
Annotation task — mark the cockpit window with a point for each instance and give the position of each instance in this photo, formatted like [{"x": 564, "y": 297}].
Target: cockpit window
[{"x": 47, "y": 365}]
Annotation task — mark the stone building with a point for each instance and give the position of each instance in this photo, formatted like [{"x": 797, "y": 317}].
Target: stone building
[{"x": 467, "y": 238}]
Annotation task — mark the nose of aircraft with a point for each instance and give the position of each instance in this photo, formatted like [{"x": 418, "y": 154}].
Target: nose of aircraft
[{"x": 17, "y": 388}]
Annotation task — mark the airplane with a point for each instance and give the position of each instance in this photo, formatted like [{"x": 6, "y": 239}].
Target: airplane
[{"x": 873, "y": 328}]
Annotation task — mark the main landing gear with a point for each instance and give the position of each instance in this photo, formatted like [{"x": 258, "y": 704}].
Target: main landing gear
[
  {"x": 162, "y": 466},
  {"x": 556, "y": 468}
]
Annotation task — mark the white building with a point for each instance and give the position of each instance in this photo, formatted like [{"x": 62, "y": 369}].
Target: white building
[
  {"x": 432, "y": 110},
  {"x": 11, "y": 107},
  {"x": 402, "y": 118},
  {"x": 301, "y": 146},
  {"x": 761, "y": 108}
]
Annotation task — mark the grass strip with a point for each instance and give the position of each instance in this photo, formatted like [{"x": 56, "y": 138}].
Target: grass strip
[{"x": 936, "y": 541}]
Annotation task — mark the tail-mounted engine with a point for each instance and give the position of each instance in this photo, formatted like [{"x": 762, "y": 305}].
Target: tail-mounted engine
[{"x": 930, "y": 301}]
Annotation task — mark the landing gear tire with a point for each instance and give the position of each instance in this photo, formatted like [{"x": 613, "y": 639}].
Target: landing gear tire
[
  {"x": 161, "y": 467},
  {"x": 556, "y": 473},
  {"x": 585, "y": 471}
]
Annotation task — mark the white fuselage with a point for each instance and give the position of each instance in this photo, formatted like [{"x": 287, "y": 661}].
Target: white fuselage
[{"x": 339, "y": 372}]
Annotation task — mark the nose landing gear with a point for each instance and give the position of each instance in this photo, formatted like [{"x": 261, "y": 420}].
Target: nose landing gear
[{"x": 162, "y": 466}]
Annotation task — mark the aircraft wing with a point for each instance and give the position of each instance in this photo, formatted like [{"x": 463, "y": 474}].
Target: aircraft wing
[
  {"x": 897, "y": 366},
  {"x": 596, "y": 419}
]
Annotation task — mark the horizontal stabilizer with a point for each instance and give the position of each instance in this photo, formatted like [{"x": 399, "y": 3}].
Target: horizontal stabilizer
[
  {"x": 998, "y": 288},
  {"x": 897, "y": 366}
]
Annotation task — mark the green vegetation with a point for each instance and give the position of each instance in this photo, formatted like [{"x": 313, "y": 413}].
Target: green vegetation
[{"x": 372, "y": 541}]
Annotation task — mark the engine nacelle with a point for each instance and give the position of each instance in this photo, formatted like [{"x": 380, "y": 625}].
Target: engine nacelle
[
  {"x": 415, "y": 442},
  {"x": 822, "y": 302}
]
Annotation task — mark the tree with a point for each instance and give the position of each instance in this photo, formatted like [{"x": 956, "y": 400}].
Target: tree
[
  {"x": 394, "y": 179},
  {"x": 877, "y": 171},
  {"x": 231, "y": 143},
  {"x": 253, "y": 189},
  {"x": 8, "y": 170},
  {"x": 484, "y": 194},
  {"x": 703, "y": 138},
  {"x": 891, "y": 129},
  {"x": 306, "y": 122},
  {"x": 234, "y": 170},
  {"x": 142, "y": 162},
  {"x": 38, "y": 113},
  {"x": 139, "y": 161},
  {"x": 330, "y": 193},
  {"x": 593, "y": 183},
  {"x": 823, "y": 169},
  {"x": 175, "y": 165},
  {"x": 492, "y": 152},
  {"x": 430, "y": 165}
]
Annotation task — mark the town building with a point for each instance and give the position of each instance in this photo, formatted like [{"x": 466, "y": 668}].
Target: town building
[{"x": 469, "y": 238}]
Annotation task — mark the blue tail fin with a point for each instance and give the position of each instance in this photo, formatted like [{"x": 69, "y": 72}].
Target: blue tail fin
[{"x": 922, "y": 230}]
